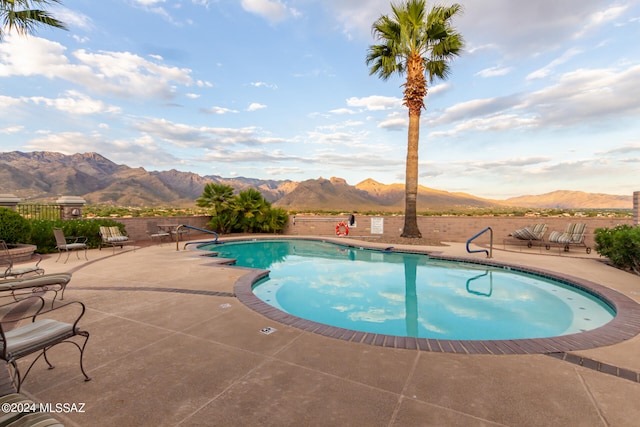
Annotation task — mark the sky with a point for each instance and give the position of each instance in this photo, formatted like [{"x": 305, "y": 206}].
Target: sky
[{"x": 544, "y": 97}]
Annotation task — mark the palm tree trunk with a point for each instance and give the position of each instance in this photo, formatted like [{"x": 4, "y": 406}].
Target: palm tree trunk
[{"x": 411, "y": 176}]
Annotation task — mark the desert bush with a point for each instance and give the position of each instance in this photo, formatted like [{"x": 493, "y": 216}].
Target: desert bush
[
  {"x": 13, "y": 227},
  {"x": 621, "y": 245}
]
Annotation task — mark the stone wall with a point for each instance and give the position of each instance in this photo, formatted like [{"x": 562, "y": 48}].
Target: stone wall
[
  {"x": 136, "y": 228},
  {"x": 444, "y": 228}
]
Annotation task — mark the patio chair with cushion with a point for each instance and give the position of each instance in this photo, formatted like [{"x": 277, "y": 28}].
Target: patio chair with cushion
[
  {"x": 573, "y": 235},
  {"x": 68, "y": 244},
  {"x": 155, "y": 232},
  {"x": 41, "y": 332},
  {"x": 112, "y": 236},
  {"x": 28, "y": 285},
  {"x": 8, "y": 267},
  {"x": 32, "y": 417},
  {"x": 532, "y": 233}
]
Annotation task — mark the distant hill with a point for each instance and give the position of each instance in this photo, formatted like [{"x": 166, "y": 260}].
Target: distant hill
[
  {"x": 45, "y": 176},
  {"x": 563, "y": 199}
]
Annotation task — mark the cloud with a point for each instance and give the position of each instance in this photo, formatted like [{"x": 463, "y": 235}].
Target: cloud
[
  {"x": 119, "y": 74},
  {"x": 494, "y": 71},
  {"x": 148, "y": 2},
  {"x": 498, "y": 122},
  {"x": 140, "y": 151},
  {"x": 250, "y": 156},
  {"x": 254, "y": 106},
  {"x": 11, "y": 129},
  {"x": 284, "y": 171},
  {"x": 72, "y": 18},
  {"x": 548, "y": 69},
  {"x": 76, "y": 103},
  {"x": 187, "y": 136},
  {"x": 375, "y": 102},
  {"x": 218, "y": 110},
  {"x": 601, "y": 17},
  {"x": 263, "y": 84},
  {"x": 476, "y": 108},
  {"x": 588, "y": 96},
  {"x": 511, "y": 163},
  {"x": 625, "y": 149},
  {"x": 395, "y": 121},
  {"x": 273, "y": 11},
  {"x": 342, "y": 111},
  {"x": 527, "y": 29}
]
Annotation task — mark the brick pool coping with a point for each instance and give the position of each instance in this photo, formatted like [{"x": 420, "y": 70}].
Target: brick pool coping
[{"x": 625, "y": 325}]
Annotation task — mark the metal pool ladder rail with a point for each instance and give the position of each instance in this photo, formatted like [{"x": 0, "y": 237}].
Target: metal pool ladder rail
[
  {"x": 194, "y": 228},
  {"x": 490, "y": 251}
]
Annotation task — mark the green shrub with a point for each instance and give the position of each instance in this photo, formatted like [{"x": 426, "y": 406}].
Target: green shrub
[
  {"x": 42, "y": 231},
  {"x": 247, "y": 212},
  {"x": 13, "y": 227},
  {"x": 621, "y": 245}
]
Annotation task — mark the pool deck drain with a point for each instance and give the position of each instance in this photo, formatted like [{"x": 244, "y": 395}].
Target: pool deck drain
[{"x": 595, "y": 365}]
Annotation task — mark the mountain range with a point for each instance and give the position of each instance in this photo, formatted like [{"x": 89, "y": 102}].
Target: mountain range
[{"x": 44, "y": 176}]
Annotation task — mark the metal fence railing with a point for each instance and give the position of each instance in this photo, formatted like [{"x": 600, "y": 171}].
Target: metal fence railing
[{"x": 38, "y": 211}]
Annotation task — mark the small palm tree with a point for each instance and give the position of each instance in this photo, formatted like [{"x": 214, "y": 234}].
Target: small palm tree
[
  {"x": 216, "y": 196},
  {"x": 250, "y": 208},
  {"x": 25, "y": 16},
  {"x": 420, "y": 45},
  {"x": 219, "y": 197}
]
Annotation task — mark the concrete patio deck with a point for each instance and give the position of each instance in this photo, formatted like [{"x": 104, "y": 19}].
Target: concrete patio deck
[{"x": 171, "y": 346}]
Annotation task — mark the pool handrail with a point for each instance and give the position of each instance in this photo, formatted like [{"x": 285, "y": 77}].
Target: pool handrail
[
  {"x": 203, "y": 230},
  {"x": 490, "y": 251}
]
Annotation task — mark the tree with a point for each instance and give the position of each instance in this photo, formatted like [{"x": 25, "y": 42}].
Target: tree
[
  {"x": 25, "y": 16},
  {"x": 251, "y": 210},
  {"x": 219, "y": 197},
  {"x": 420, "y": 45}
]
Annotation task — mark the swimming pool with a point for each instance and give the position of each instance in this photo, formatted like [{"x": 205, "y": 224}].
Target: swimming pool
[{"x": 413, "y": 295}]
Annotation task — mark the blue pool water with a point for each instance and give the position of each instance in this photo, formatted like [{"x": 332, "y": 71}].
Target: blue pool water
[{"x": 413, "y": 295}]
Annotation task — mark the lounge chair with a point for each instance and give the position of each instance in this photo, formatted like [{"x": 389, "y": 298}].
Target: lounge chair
[
  {"x": 68, "y": 244},
  {"x": 28, "y": 285},
  {"x": 155, "y": 232},
  {"x": 8, "y": 268},
  {"x": 111, "y": 236},
  {"x": 39, "y": 334},
  {"x": 25, "y": 418},
  {"x": 532, "y": 233},
  {"x": 573, "y": 235}
]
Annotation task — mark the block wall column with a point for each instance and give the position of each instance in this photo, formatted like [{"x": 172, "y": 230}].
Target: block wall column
[
  {"x": 71, "y": 207},
  {"x": 9, "y": 201}
]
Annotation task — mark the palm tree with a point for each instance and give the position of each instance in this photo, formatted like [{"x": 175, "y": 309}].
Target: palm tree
[
  {"x": 25, "y": 16},
  {"x": 217, "y": 196},
  {"x": 250, "y": 208},
  {"x": 420, "y": 45}
]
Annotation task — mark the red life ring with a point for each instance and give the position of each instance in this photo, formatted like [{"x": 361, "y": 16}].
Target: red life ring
[{"x": 339, "y": 232}]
